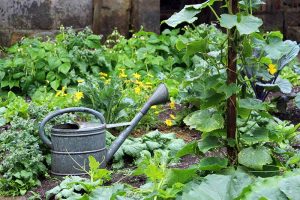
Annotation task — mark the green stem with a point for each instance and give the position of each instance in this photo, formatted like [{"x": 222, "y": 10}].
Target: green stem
[{"x": 214, "y": 12}]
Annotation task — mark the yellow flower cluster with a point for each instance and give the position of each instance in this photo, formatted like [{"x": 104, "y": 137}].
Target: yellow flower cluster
[
  {"x": 272, "y": 69},
  {"x": 62, "y": 92},
  {"x": 122, "y": 73},
  {"x": 169, "y": 121},
  {"x": 78, "y": 96},
  {"x": 172, "y": 105},
  {"x": 80, "y": 81},
  {"x": 103, "y": 75},
  {"x": 136, "y": 76}
]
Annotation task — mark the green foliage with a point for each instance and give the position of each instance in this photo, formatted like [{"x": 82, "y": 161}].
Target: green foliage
[
  {"x": 106, "y": 98},
  {"x": 240, "y": 185},
  {"x": 255, "y": 158},
  {"x": 24, "y": 160},
  {"x": 210, "y": 120},
  {"x": 213, "y": 163},
  {"x": 75, "y": 187},
  {"x": 148, "y": 143},
  {"x": 21, "y": 160},
  {"x": 188, "y": 13},
  {"x": 162, "y": 182},
  {"x": 33, "y": 63}
]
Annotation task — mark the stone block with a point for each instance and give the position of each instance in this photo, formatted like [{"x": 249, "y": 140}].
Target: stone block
[
  {"x": 75, "y": 13},
  {"x": 146, "y": 13},
  {"x": 112, "y": 14},
  {"x": 292, "y": 18},
  {"x": 293, "y": 33},
  {"x": 29, "y": 14},
  {"x": 273, "y": 21}
]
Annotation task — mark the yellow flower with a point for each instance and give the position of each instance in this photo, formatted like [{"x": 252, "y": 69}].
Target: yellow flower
[
  {"x": 172, "y": 105},
  {"x": 272, "y": 69},
  {"x": 154, "y": 107},
  {"x": 80, "y": 81},
  {"x": 61, "y": 92},
  {"x": 136, "y": 76},
  {"x": 156, "y": 112},
  {"x": 102, "y": 74},
  {"x": 78, "y": 96},
  {"x": 107, "y": 82},
  {"x": 122, "y": 75},
  {"x": 169, "y": 122},
  {"x": 137, "y": 90},
  {"x": 172, "y": 116}
]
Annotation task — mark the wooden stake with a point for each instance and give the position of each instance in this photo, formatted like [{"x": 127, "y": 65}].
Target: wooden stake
[{"x": 232, "y": 78}]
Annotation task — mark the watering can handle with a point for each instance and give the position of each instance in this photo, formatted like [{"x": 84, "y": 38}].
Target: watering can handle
[{"x": 45, "y": 139}]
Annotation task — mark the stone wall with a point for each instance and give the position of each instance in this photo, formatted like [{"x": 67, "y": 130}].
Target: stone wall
[{"x": 29, "y": 17}]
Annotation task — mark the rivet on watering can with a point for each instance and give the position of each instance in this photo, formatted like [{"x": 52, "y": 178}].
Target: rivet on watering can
[{"x": 72, "y": 144}]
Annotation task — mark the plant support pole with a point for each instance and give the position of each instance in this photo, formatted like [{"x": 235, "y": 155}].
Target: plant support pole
[{"x": 232, "y": 79}]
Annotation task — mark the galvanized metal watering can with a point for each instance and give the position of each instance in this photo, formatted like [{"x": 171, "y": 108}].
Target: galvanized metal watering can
[{"x": 72, "y": 144}]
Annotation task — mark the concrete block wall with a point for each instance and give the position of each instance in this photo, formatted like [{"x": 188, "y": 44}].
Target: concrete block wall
[{"x": 20, "y": 18}]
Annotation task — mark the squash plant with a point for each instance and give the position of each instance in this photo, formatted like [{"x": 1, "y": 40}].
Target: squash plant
[{"x": 259, "y": 58}]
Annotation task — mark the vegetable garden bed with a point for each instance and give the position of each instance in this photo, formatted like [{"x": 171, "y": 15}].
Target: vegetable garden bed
[{"x": 242, "y": 76}]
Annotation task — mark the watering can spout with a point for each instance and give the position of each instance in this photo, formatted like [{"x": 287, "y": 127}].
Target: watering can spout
[{"x": 160, "y": 96}]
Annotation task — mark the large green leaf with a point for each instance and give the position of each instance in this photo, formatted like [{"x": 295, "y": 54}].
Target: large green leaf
[
  {"x": 53, "y": 62},
  {"x": 281, "y": 85},
  {"x": 209, "y": 143},
  {"x": 292, "y": 53},
  {"x": 175, "y": 175},
  {"x": 291, "y": 187},
  {"x": 264, "y": 189},
  {"x": 190, "y": 148},
  {"x": 213, "y": 163},
  {"x": 188, "y": 13},
  {"x": 196, "y": 46},
  {"x": 255, "y": 158},
  {"x": 246, "y": 25},
  {"x": 255, "y": 136},
  {"x": 213, "y": 187},
  {"x": 217, "y": 187},
  {"x": 251, "y": 104},
  {"x": 249, "y": 24},
  {"x": 64, "y": 68},
  {"x": 205, "y": 120}
]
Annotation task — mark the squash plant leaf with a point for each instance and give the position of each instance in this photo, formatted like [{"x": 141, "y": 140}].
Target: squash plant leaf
[
  {"x": 291, "y": 187},
  {"x": 251, "y": 104},
  {"x": 209, "y": 143},
  {"x": 255, "y": 158},
  {"x": 246, "y": 25},
  {"x": 215, "y": 186},
  {"x": 188, "y": 13},
  {"x": 255, "y": 136},
  {"x": 281, "y": 85},
  {"x": 213, "y": 163},
  {"x": 205, "y": 120}
]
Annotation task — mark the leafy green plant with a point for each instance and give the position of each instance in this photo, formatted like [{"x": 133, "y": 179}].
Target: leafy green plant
[
  {"x": 259, "y": 58},
  {"x": 78, "y": 188},
  {"x": 162, "y": 182},
  {"x": 24, "y": 159},
  {"x": 148, "y": 143},
  {"x": 33, "y": 63},
  {"x": 21, "y": 160},
  {"x": 240, "y": 185}
]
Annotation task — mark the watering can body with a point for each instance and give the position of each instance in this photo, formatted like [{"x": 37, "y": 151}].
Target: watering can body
[{"x": 72, "y": 144}]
